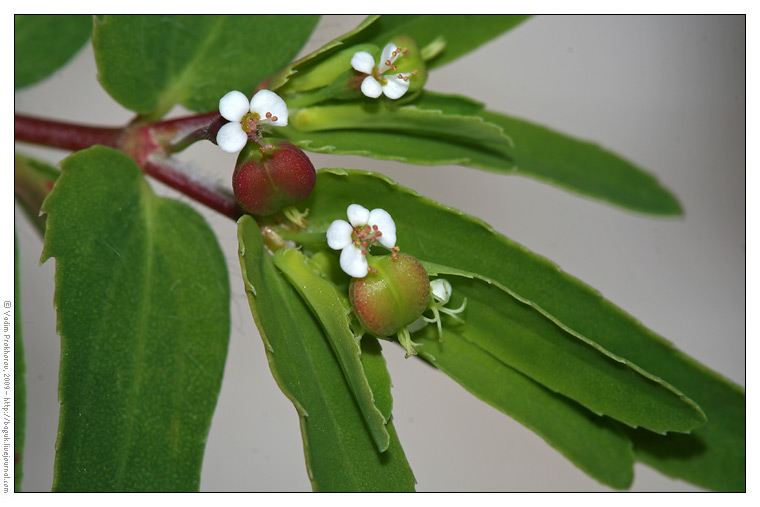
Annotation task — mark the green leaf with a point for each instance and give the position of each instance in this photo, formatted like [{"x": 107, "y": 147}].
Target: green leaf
[
  {"x": 302, "y": 68},
  {"x": 583, "y": 167},
  {"x": 334, "y": 314},
  {"x": 532, "y": 150},
  {"x": 594, "y": 444},
  {"x": 32, "y": 182},
  {"x": 462, "y": 34},
  {"x": 473, "y": 246},
  {"x": 19, "y": 379},
  {"x": 398, "y": 119},
  {"x": 150, "y": 63},
  {"x": 142, "y": 297},
  {"x": 518, "y": 334},
  {"x": 45, "y": 43},
  {"x": 340, "y": 454}
]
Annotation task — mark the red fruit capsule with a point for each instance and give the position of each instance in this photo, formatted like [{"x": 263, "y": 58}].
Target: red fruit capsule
[
  {"x": 266, "y": 182},
  {"x": 388, "y": 300}
]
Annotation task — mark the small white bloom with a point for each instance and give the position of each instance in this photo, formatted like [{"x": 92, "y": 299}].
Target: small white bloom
[
  {"x": 382, "y": 78},
  {"x": 353, "y": 238},
  {"x": 246, "y": 118},
  {"x": 441, "y": 289}
]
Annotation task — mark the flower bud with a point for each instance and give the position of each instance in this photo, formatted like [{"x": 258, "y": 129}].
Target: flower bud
[
  {"x": 266, "y": 182},
  {"x": 393, "y": 295}
]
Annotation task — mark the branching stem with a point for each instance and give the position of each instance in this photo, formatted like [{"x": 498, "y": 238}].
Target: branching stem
[{"x": 147, "y": 144}]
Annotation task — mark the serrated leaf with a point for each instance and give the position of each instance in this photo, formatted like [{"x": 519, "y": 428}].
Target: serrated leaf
[
  {"x": 715, "y": 457},
  {"x": 519, "y": 335},
  {"x": 583, "y": 167},
  {"x": 45, "y": 43},
  {"x": 142, "y": 298},
  {"x": 592, "y": 443},
  {"x": 340, "y": 454},
  {"x": 19, "y": 378},
  {"x": 531, "y": 150},
  {"x": 32, "y": 182},
  {"x": 334, "y": 315},
  {"x": 304, "y": 64},
  {"x": 150, "y": 63}
]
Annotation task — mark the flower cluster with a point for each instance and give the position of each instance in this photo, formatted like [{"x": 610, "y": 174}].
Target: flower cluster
[
  {"x": 383, "y": 78},
  {"x": 246, "y": 118},
  {"x": 353, "y": 238}
]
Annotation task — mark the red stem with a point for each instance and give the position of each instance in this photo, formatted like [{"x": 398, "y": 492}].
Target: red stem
[
  {"x": 146, "y": 152},
  {"x": 215, "y": 198},
  {"x": 64, "y": 135}
]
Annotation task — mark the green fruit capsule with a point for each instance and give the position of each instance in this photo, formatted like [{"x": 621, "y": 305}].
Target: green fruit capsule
[{"x": 393, "y": 295}]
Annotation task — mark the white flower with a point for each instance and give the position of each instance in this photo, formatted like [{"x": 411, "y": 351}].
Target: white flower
[
  {"x": 382, "y": 78},
  {"x": 246, "y": 118},
  {"x": 441, "y": 289},
  {"x": 354, "y": 237}
]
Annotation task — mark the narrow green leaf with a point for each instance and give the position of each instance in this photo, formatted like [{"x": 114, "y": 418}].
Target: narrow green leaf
[
  {"x": 382, "y": 116},
  {"x": 413, "y": 148},
  {"x": 19, "y": 379},
  {"x": 532, "y": 150},
  {"x": 302, "y": 68},
  {"x": 473, "y": 246},
  {"x": 519, "y": 335},
  {"x": 142, "y": 297},
  {"x": 462, "y": 34},
  {"x": 592, "y": 443},
  {"x": 373, "y": 363},
  {"x": 334, "y": 314},
  {"x": 150, "y": 63},
  {"x": 45, "y": 43},
  {"x": 583, "y": 167},
  {"x": 340, "y": 454}
]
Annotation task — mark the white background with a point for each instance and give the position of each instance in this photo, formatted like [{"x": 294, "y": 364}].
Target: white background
[{"x": 667, "y": 92}]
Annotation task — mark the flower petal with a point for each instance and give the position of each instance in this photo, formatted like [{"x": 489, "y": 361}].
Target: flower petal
[
  {"x": 231, "y": 137},
  {"x": 371, "y": 88},
  {"x": 339, "y": 234},
  {"x": 363, "y": 62},
  {"x": 353, "y": 262},
  {"x": 385, "y": 56},
  {"x": 358, "y": 215},
  {"x": 233, "y": 106},
  {"x": 385, "y": 224},
  {"x": 395, "y": 86},
  {"x": 267, "y": 101},
  {"x": 441, "y": 289}
]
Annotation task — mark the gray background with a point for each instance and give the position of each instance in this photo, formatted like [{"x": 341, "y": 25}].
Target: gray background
[{"x": 666, "y": 92}]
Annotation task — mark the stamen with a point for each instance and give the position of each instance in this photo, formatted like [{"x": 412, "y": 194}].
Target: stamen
[
  {"x": 388, "y": 63},
  {"x": 268, "y": 115},
  {"x": 274, "y": 118}
]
